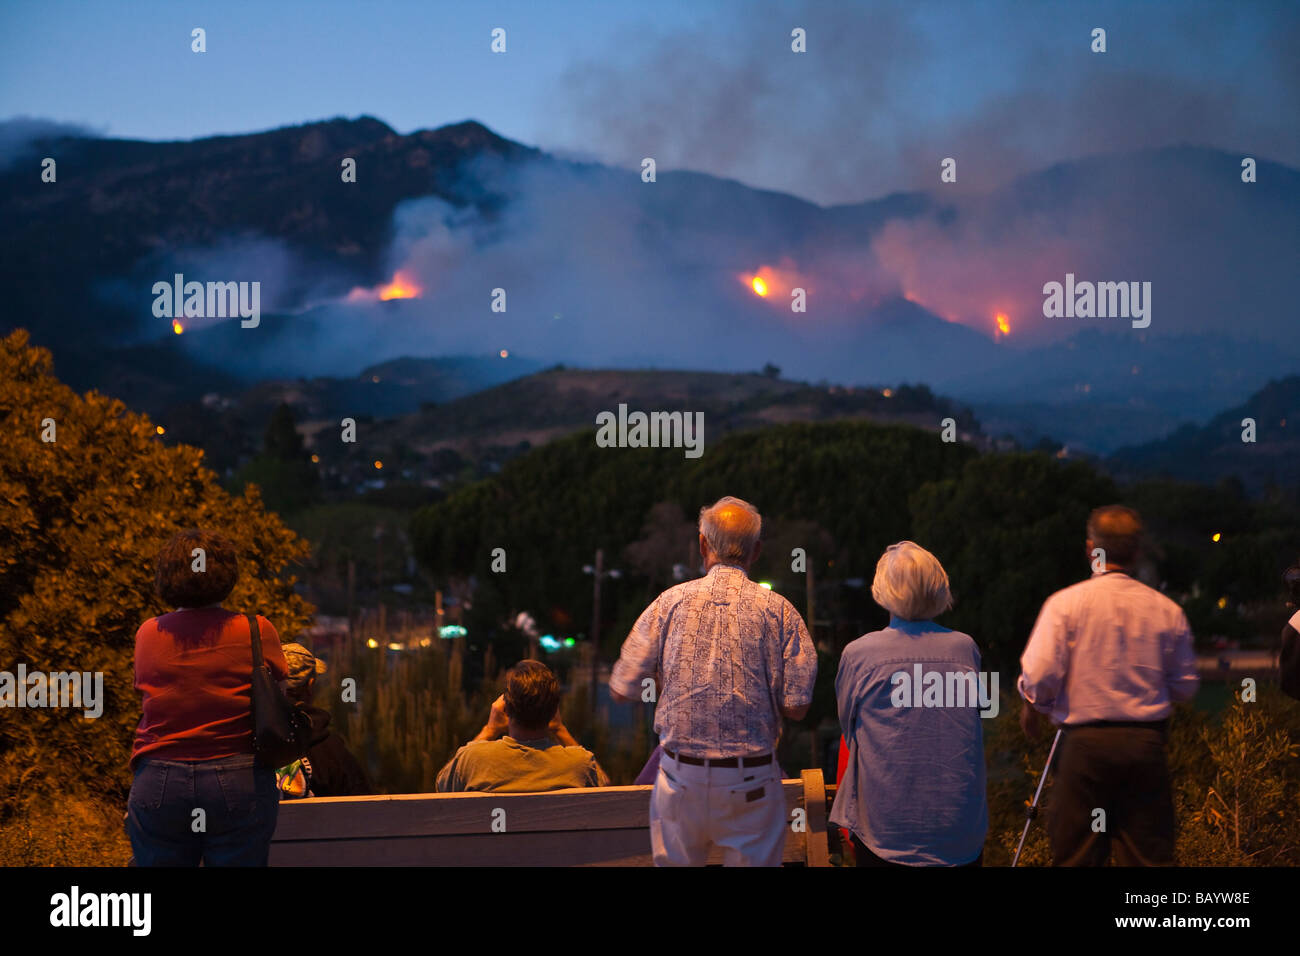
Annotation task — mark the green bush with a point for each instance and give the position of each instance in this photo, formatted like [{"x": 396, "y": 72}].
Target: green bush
[{"x": 82, "y": 519}]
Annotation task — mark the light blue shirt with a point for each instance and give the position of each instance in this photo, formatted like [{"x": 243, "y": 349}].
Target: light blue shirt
[
  {"x": 913, "y": 790},
  {"x": 1109, "y": 648}
]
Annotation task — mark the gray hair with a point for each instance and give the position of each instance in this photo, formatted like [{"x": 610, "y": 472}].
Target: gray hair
[
  {"x": 731, "y": 528},
  {"x": 911, "y": 583}
]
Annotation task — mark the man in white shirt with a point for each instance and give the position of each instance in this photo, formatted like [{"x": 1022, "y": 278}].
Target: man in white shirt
[{"x": 1107, "y": 659}]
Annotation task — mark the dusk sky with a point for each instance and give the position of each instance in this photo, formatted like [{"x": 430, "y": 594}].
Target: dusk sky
[{"x": 884, "y": 91}]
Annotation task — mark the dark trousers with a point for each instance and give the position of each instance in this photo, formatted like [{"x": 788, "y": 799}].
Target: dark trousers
[
  {"x": 1118, "y": 769},
  {"x": 240, "y": 804},
  {"x": 862, "y": 853}
]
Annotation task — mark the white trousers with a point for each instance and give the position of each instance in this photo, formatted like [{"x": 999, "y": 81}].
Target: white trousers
[{"x": 741, "y": 810}]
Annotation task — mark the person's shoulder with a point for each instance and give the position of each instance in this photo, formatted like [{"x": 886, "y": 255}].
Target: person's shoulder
[
  {"x": 477, "y": 750},
  {"x": 1070, "y": 596},
  {"x": 671, "y": 597},
  {"x": 579, "y": 755},
  {"x": 866, "y": 647},
  {"x": 957, "y": 639},
  {"x": 776, "y": 603},
  {"x": 147, "y": 629},
  {"x": 264, "y": 626},
  {"x": 1075, "y": 591},
  {"x": 1158, "y": 599}
]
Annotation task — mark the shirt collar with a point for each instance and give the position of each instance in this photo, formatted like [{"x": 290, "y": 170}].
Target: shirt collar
[
  {"x": 733, "y": 567},
  {"x": 911, "y": 627}
]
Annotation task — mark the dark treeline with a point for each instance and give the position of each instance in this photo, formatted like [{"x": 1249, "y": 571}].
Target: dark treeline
[{"x": 1007, "y": 526}]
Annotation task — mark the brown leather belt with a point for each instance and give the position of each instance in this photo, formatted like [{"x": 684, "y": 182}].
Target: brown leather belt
[{"x": 757, "y": 761}]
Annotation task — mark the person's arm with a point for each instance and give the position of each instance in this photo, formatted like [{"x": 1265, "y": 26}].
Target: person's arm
[
  {"x": 639, "y": 657},
  {"x": 561, "y": 732},
  {"x": 271, "y": 651},
  {"x": 799, "y": 673},
  {"x": 1045, "y": 660},
  {"x": 449, "y": 780},
  {"x": 1181, "y": 675},
  {"x": 846, "y": 703},
  {"x": 497, "y": 722}
]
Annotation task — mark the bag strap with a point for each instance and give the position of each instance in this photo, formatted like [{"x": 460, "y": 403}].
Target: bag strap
[{"x": 255, "y": 634}]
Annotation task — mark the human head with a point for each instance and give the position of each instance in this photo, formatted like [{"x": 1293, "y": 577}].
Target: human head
[
  {"x": 1117, "y": 530},
  {"x": 182, "y": 580},
  {"x": 910, "y": 583},
  {"x": 303, "y": 668},
  {"x": 729, "y": 530},
  {"x": 1291, "y": 579},
  {"x": 532, "y": 695}
]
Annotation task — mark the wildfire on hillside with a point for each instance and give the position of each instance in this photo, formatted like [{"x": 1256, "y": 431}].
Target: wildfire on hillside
[{"x": 402, "y": 286}]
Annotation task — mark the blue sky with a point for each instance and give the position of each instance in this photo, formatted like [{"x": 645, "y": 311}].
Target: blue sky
[{"x": 884, "y": 91}]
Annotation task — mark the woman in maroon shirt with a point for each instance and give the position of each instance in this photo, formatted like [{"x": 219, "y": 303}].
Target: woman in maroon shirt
[{"x": 198, "y": 794}]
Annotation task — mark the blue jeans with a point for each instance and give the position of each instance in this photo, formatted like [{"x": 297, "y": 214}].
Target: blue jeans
[{"x": 239, "y": 800}]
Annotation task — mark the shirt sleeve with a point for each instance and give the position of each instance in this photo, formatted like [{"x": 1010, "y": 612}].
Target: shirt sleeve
[
  {"x": 448, "y": 778},
  {"x": 1046, "y": 658},
  {"x": 639, "y": 657},
  {"x": 271, "y": 648},
  {"x": 135, "y": 658},
  {"x": 799, "y": 656},
  {"x": 1181, "y": 674},
  {"x": 845, "y": 700}
]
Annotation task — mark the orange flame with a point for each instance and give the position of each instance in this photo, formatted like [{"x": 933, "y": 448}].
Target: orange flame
[
  {"x": 768, "y": 281},
  {"x": 402, "y": 286},
  {"x": 177, "y": 327},
  {"x": 1004, "y": 326}
]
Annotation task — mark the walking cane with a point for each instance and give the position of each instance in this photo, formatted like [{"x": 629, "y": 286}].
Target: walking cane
[{"x": 1032, "y": 810}]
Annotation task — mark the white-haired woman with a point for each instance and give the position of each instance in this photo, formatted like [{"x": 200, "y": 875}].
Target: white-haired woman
[{"x": 912, "y": 793}]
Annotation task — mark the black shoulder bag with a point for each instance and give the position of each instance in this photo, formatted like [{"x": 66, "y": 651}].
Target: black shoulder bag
[{"x": 281, "y": 730}]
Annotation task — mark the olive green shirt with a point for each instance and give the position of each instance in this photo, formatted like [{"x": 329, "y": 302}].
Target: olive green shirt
[{"x": 507, "y": 765}]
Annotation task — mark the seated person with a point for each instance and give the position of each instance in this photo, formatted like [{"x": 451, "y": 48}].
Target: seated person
[
  {"x": 328, "y": 769},
  {"x": 536, "y": 752}
]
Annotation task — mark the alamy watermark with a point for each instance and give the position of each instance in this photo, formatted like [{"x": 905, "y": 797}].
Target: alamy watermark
[
  {"x": 1101, "y": 300},
  {"x": 652, "y": 430},
  {"x": 214, "y": 300},
  {"x": 79, "y": 690},
  {"x": 922, "y": 688}
]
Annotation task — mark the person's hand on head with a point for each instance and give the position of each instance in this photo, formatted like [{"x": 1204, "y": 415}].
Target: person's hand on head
[{"x": 498, "y": 721}]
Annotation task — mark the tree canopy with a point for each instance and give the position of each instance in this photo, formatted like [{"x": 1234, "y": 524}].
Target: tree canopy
[{"x": 89, "y": 493}]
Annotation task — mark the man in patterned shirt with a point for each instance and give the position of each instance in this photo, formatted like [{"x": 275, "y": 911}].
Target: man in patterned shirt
[{"x": 729, "y": 659}]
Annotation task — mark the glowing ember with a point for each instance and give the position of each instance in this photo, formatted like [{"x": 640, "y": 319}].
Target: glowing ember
[
  {"x": 162, "y": 431},
  {"x": 758, "y": 285},
  {"x": 1003, "y": 325},
  {"x": 505, "y": 353},
  {"x": 177, "y": 327}
]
